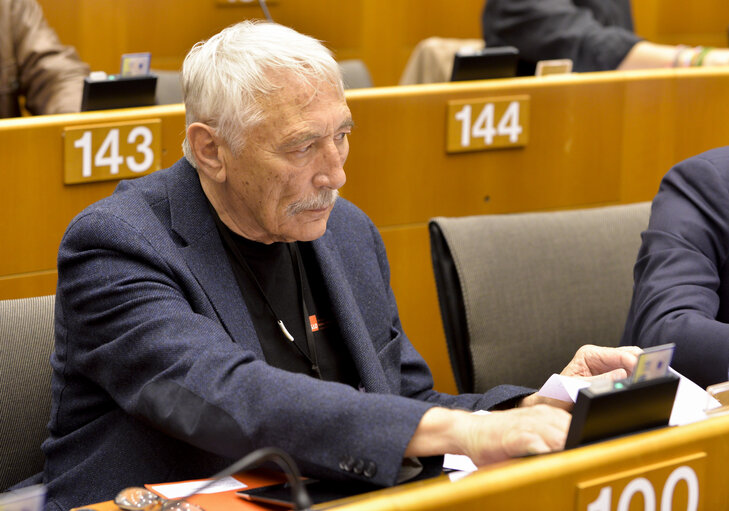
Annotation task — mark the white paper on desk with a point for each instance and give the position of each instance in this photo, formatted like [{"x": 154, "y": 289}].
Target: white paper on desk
[
  {"x": 691, "y": 402},
  {"x": 179, "y": 490},
  {"x": 564, "y": 388},
  {"x": 458, "y": 462},
  {"x": 689, "y": 406}
]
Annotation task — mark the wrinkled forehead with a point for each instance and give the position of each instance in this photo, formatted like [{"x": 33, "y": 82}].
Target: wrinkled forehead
[
  {"x": 294, "y": 98},
  {"x": 299, "y": 89}
]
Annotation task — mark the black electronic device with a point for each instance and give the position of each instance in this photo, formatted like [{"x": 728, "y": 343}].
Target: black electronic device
[
  {"x": 490, "y": 62},
  {"x": 319, "y": 491},
  {"x": 115, "y": 91},
  {"x": 621, "y": 407}
]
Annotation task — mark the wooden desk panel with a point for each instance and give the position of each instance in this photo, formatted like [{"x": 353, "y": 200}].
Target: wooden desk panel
[
  {"x": 36, "y": 204},
  {"x": 551, "y": 482}
]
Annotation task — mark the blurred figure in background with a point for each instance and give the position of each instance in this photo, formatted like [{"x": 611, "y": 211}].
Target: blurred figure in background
[
  {"x": 597, "y": 35},
  {"x": 34, "y": 65}
]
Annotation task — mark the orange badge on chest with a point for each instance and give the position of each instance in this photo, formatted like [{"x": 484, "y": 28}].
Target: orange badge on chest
[{"x": 314, "y": 323}]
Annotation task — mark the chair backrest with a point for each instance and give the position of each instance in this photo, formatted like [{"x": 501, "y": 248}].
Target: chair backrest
[
  {"x": 432, "y": 59},
  {"x": 169, "y": 89},
  {"x": 355, "y": 74},
  {"x": 519, "y": 293},
  {"x": 26, "y": 342}
]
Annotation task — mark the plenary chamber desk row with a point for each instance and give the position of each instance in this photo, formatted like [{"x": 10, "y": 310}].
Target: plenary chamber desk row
[
  {"x": 680, "y": 468},
  {"x": 416, "y": 152}
]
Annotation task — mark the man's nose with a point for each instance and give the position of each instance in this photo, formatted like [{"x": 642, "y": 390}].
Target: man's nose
[{"x": 331, "y": 172}]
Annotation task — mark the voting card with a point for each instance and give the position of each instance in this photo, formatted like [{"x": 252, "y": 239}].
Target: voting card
[
  {"x": 653, "y": 362},
  {"x": 135, "y": 64}
]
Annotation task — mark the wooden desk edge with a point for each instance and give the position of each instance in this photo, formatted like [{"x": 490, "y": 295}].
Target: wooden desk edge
[{"x": 513, "y": 473}]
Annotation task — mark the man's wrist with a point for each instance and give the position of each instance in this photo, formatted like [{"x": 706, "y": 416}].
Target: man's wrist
[
  {"x": 436, "y": 433},
  {"x": 536, "y": 399}
]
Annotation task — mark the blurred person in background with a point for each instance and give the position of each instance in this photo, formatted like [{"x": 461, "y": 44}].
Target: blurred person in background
[
  {"x": 34, "y": 66},
  {"x": 597, "y": 35}
]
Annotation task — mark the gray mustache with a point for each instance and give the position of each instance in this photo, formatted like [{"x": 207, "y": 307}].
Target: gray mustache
[{"x": 324, "y": 199}]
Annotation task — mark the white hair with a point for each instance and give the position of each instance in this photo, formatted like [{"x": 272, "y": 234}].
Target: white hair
[{"x": 224, "y": 77}]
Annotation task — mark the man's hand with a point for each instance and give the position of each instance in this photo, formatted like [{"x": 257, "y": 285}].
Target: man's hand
[
  {"x": 589, "y": 363},
  {"x": 493, "y": 437},
  {"x": 599, "y": 362},
  {"x": 517, "y": 432}
]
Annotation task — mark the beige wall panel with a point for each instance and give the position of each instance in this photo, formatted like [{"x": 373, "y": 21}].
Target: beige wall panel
[{"x": 699, "y": 22}]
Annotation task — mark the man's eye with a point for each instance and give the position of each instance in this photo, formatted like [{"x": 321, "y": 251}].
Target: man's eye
[
  {"x": 340, "y": 136},
  {"x": 305, "y": 149}
]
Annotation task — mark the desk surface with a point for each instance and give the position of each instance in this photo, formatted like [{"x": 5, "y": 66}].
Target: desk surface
[{"x": 662, "y": 463}]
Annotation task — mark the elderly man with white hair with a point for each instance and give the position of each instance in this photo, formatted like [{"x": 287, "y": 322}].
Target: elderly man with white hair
[{"x": 233, "y": 302}]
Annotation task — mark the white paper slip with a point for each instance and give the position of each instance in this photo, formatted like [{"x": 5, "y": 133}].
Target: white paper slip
[
  {"x": 179, "y": 490},
  {"x": 458, "y": 462},
  {"x": 691, "y": 402},
  {"x": 564, "y": 388},
  {"x": 456, "y": 475}
]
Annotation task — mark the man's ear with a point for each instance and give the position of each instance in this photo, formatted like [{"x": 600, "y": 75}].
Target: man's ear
[{"x": 207, "y": 151}]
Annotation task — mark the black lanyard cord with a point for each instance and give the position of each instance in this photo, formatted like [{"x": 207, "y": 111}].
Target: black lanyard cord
[
  {"x": 300, "y": 275},
  {"x": 301, "y": 281}
]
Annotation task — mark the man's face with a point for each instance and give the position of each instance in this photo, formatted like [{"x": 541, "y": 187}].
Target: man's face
[{"x": 283, "y": 183}]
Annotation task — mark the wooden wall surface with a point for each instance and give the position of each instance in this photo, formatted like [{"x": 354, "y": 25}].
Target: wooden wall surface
[
  {"x": 698, "y": 22},
  {"x": 380, "y": 32}
]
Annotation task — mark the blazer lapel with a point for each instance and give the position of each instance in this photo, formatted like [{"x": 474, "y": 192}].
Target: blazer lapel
[
  {"x": 350, "y": 321},
  {"x": 205, "y": 255}
]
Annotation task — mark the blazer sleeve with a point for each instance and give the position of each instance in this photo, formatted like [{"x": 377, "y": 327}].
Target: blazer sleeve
[
  {"x": 558, "y": 29},
  {"x": 680, "y": 273}
]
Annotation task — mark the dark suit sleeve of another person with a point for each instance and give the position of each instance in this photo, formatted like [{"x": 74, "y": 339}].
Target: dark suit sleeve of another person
[
  {"x": 595, "y": 34},
  {"x": 681, "y": 292},
  {"x": 159, "y": 374}
]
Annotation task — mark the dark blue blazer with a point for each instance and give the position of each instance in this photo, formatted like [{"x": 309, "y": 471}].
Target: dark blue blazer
[
  {"x": 681, "y": 291},
  {"x": 158, "y": 372}
]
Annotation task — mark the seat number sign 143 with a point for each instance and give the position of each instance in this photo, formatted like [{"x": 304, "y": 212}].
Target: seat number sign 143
[
  {"x": 103, "y": 152},
  {"x": 487, "y": 123}
]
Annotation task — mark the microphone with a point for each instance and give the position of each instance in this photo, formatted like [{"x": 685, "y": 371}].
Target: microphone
[
  {"x": 264, "y": 8},
  {"x": 141, "y": 499}
]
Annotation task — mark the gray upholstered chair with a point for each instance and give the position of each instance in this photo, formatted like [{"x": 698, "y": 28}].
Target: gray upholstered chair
[
  {"x": 355, "y": 74},
  {"x": 168, "y": 90},
  {"x": 26, "y": 342},
  {"x": 519, "y": 293}
]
